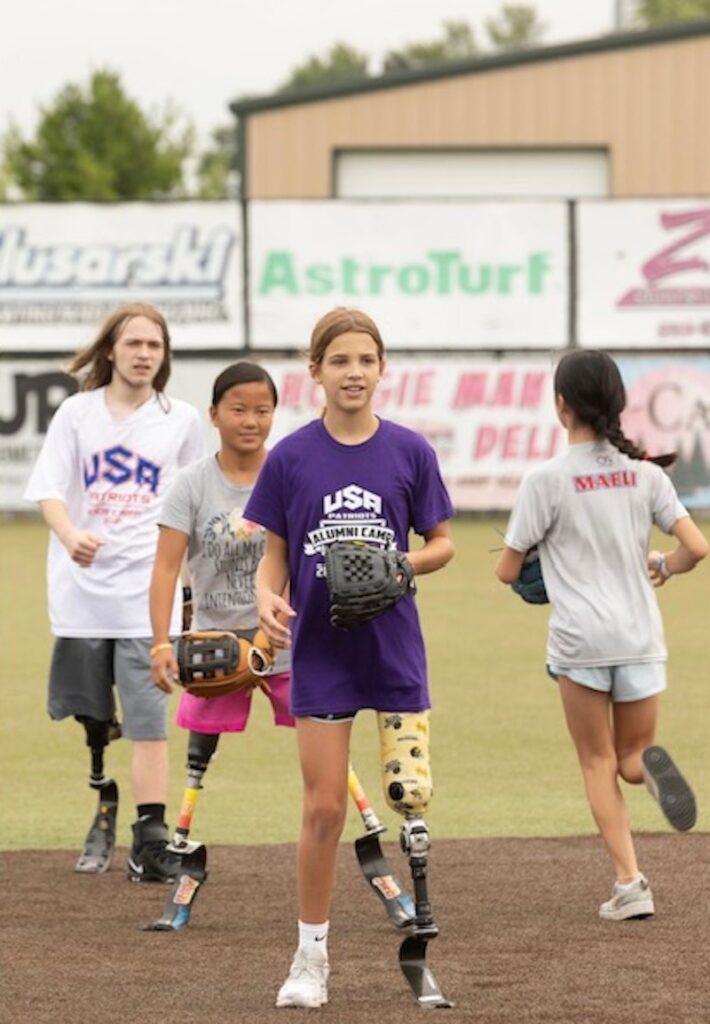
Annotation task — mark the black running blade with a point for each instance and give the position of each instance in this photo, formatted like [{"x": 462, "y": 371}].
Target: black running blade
[
  {"x": 193, "y": 873},
  {"x": 398, "y": 904},
  {"x": 412, "y": 960},
  {"x": 100, "y": 841}
]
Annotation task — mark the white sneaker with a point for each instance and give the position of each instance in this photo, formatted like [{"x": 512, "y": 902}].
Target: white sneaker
[
  {"x": 626, "y": 903},
  {"x": 307, "y": 982}
]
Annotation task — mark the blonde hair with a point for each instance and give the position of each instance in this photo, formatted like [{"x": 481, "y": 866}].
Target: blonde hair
[
  {"x": 339, "y": 321},
  {"x": 96, "y": 355}
]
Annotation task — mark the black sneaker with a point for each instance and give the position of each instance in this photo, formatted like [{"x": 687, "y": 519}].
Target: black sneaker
[
  {"x": 666, "y": 785},
  {"x": 149, "y": 861}
]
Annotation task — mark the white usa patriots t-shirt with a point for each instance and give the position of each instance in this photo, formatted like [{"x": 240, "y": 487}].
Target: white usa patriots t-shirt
[
  {"x": 590, "y": 511},
  {"x": 112, "y": 476}
]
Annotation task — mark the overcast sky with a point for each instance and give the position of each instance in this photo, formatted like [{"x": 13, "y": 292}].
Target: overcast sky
[{"x": 202, "y": 53}]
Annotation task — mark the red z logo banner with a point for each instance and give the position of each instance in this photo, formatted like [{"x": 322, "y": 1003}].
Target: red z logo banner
[
  {"x": 662, "y": 264},
  {"x": 668, "y": 262}
]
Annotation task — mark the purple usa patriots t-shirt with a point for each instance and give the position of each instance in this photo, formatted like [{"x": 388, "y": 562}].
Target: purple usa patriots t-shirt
[{"x": 313, "y": 490}]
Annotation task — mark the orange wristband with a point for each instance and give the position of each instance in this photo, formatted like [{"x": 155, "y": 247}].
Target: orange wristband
[{"x": 160, "y": 647}]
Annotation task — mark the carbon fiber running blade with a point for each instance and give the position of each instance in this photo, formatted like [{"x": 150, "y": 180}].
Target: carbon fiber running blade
[
  {"x": 100, "y": 841},
  {"x": 412, "y": 960},
  {"x": 192, "y": 875},
  {"x": 398, "y": 904}
]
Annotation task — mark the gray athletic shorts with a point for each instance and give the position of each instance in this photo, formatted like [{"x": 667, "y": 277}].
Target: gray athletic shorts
[
  {"x": 624, "y": 683},
  {"x": 82, "y": 676}
]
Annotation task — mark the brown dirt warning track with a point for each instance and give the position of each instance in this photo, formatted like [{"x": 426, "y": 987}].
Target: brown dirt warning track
[{"x": 519, "y": 943}]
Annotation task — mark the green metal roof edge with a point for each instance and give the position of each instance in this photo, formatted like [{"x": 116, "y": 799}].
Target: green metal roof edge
[{"x": 396, "y": 79}]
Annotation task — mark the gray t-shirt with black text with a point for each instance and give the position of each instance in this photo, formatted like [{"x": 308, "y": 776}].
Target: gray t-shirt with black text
[
  {"x": 224, "y": 549},
  {"x": 590, "y": 512}
]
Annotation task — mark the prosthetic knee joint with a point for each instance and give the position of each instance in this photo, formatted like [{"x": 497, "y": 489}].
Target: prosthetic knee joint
[
  {"x": 98, "y": 737},
  {"x": 406, "y": 777}
]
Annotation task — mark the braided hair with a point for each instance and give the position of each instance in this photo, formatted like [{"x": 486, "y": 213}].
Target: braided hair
[{"x": 591, "y": 385}]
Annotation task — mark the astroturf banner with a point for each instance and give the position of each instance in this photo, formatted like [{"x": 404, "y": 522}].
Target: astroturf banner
[
  {"x": 488, "y": 420},
  {"x": 643, "y": 273},
  {"x": 65, "y": 266},
  {"x": 436, "y": 275}
]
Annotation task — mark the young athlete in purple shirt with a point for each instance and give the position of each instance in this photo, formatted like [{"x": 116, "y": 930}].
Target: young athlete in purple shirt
[{"x": 349, "y": 475}]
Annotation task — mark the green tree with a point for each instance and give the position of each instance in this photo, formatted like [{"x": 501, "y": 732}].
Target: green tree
[
  {"x": 515, "y": 28},
  {"x": 661, "y": 12},
  {"x": 456, "y": 43},
  {"x": 217, "y": 174},
  {"x": 341, "y": 63},
  {"x": 4, "y": 181},
  {"x": 96, "y": 143}
]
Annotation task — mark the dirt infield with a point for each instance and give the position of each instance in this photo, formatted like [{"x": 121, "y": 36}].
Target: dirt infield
[{"x": 520, "y": 942}]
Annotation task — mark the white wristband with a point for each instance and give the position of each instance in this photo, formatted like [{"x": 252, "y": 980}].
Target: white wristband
[{"x": 661, "y": 566}]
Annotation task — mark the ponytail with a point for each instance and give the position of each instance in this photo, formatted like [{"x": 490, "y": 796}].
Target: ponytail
[
  {"x": 618, "y": 438},
  {"x": 591, "y": 385}
]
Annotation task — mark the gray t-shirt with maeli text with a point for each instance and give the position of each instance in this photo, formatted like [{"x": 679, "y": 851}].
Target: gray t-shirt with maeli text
[{"x": 590, "y": 511}]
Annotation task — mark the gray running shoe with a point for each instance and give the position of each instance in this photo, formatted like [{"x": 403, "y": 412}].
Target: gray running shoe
[
  {"x": 666, "y": 785},
  {"x": 628, "y": 904}
]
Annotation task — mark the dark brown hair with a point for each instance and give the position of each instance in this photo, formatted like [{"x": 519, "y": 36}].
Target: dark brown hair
[
  {"x": 339, "y": 321},
  {"x": 591, "y": 385},
  {"x": 96, "y": 355}
]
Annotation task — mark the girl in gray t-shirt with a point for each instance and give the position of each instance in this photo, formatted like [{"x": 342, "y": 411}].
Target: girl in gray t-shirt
[
  {"x": 202, "y": 519},
  {"x": 589, "y": 512}
]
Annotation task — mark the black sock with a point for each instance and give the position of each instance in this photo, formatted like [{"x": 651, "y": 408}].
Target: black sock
[{"x": 156, "y": 812}]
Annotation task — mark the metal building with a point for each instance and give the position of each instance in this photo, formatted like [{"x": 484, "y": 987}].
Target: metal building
[{"x": 620, "y": 115}]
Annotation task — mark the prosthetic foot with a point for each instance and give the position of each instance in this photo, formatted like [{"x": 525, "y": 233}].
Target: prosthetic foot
[
  {"x": 406, "y": 775},
  {"x": 414, "y": 840},
  {"x": 398, "y": 904},
  {"x": 100, "y": 842},
  {"x": 193, "y": 855}
]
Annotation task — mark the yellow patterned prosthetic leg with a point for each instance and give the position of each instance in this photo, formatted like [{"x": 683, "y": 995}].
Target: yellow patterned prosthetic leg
[{"x": 404, "y": 752}]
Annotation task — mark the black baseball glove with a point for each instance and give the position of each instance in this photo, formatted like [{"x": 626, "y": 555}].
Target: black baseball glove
[
  {"x": 364, "y": 581},
  {"x": 530, "y": 584}
]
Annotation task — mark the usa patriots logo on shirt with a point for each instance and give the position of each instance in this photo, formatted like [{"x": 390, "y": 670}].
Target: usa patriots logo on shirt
[
  {"x": 119, "y": 465},
  {"x": 350, "y": 513}
]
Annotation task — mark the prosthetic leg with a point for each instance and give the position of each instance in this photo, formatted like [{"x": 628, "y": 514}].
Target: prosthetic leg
[
  {"x": 404, "y": 748},
  {"x": 100, "y": 841},
  {"x": 398, "y": 904},
  {"x": 193, "y": 856}
]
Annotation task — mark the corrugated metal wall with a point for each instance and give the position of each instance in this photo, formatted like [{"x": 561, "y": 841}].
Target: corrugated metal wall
[{"x": 647, "y": 105}]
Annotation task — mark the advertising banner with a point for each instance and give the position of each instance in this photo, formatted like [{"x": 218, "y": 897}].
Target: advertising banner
[
  {"x": 30, "y": 393},
  {"x": 643, "y": 273},
  {"x": 442, "y": 275},
  {"x": 65, "y": 266},
  {"x": 488, "y": 420}
]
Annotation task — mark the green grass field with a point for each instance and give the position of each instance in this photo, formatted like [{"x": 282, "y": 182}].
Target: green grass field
[{"x": 503, "y": 764}]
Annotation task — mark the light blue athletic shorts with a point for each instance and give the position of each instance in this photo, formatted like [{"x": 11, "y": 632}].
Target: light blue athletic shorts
[
  {"x": 624, "y": 683},
  {"x": 82, "y": 676}
]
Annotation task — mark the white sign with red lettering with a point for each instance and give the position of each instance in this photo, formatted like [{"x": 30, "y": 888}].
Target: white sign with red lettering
[
  {"x": 644, "y": 273},
  {"x": 488, "y": 420}
]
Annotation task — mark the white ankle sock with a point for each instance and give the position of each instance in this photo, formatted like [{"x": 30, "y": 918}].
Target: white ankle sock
[
  {"x": 313, "y": 936},
  {"x": 625, "y": 886}
]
